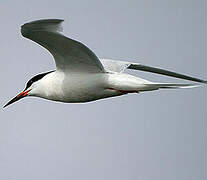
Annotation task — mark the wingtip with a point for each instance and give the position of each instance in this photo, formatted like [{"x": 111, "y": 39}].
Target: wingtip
[
  {"x": 52, "y": 25},
  {"x": 43, "y": 21},
  {"x": 202, "y": 82}
]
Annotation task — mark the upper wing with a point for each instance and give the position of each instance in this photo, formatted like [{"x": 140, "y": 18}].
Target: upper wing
[
  {"x": 120, "y": 66},
  {"x": 69, "y": 55}
]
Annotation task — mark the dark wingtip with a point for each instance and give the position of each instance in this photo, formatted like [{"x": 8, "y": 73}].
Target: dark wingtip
[
  {"x": 165, "y": 72},
  {"x": 53, "y": 25},
  {"x": 202, "y": 81},
  {"x": 43, "y": 21}
]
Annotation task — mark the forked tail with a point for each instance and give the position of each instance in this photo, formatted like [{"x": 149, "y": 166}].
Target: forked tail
[
  {"x": 128, "y": 83},
  {"x": 171, "y": 85}
]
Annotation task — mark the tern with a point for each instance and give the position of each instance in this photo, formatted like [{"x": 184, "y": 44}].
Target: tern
[{"x": 81, "y": 76}]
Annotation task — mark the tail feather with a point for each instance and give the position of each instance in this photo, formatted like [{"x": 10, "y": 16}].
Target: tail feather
[{"x": 173, "y": 86}]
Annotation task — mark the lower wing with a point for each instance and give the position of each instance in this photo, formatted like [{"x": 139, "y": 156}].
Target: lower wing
[{"x": 120, "y": 66}]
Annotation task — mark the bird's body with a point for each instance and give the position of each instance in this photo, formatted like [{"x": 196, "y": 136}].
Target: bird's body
[
  {"x": 59, "y": 86},
  {"x": 81, "y": 76},
  {"x": 75, "y": 88}
]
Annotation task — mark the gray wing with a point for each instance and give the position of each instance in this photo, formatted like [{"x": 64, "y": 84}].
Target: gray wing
[
  {"x": 69, "y": 55},
  {"x": 120, "y": 66}
]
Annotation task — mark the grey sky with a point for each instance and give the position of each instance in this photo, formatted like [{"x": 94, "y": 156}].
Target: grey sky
[{"x": 156, "y": 135}]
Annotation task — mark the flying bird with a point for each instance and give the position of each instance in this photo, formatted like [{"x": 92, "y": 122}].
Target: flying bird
[{"x": 81, "y": 76}]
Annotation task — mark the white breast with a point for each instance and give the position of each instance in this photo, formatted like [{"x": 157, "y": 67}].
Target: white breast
[{"x": 72, "y": 87}]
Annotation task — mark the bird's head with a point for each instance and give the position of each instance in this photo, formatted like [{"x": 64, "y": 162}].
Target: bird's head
[{"x": 31, "y": 86}]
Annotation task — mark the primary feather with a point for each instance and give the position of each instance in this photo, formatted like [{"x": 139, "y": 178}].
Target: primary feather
[
  {"x": 69, "y": 55},
  {"x": 120, "y": 66}
]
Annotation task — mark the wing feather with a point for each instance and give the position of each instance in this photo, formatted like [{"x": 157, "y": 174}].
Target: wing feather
[
  {"x": 120, "y": 66},
  {"x": 141, "y": 67},
  {"x": 69, "y": 55}
]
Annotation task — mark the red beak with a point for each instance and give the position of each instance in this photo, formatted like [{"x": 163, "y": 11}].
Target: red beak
[{"x": 18, "y": 97}]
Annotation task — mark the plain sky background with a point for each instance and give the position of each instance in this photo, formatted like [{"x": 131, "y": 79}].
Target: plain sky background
[{"x": 160, "y": 135}]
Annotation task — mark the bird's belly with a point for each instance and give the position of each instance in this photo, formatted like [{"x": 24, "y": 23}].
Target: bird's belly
[
  {"x": 87, "y": 93},
  {"x": 83, "y": 89},
  {"x": 86, "y": 96}
]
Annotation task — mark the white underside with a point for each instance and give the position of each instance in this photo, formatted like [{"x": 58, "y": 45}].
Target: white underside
[{"x": 76, "y": 87}]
